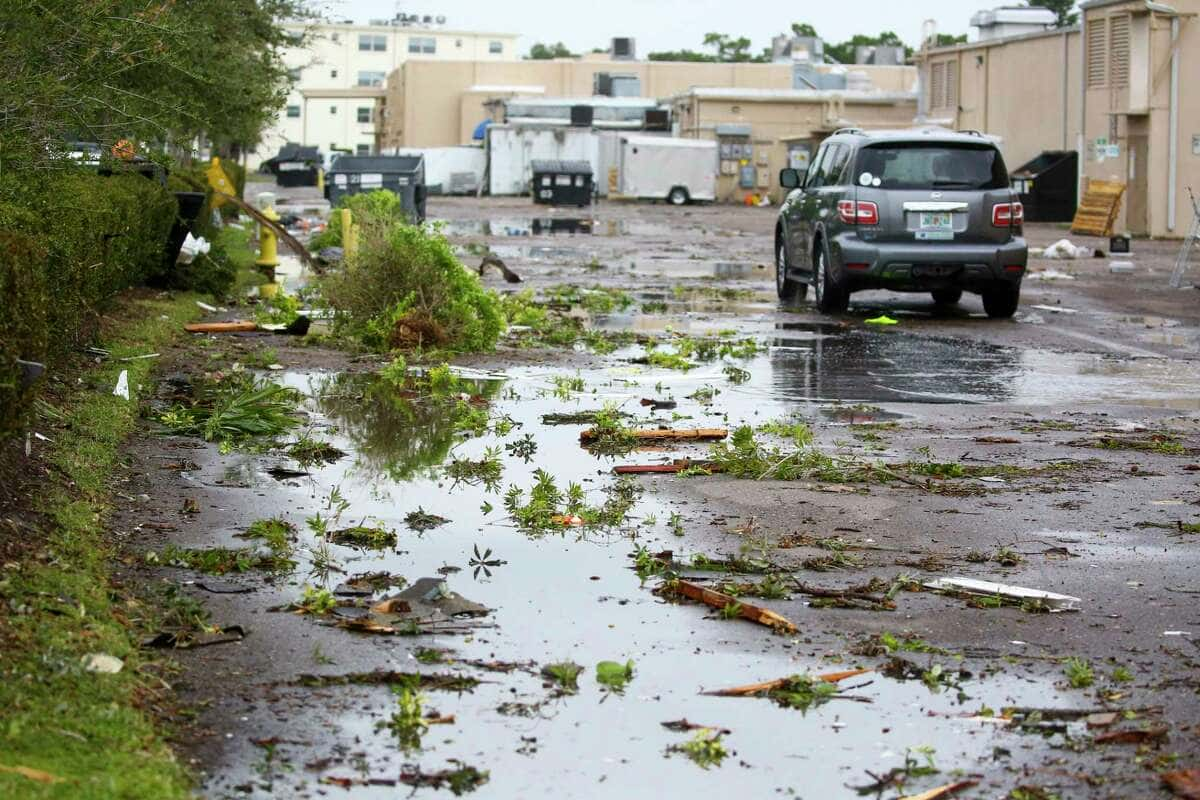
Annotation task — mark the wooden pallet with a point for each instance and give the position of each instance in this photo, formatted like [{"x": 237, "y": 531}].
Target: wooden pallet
[{"x": 1099, "y": 208}]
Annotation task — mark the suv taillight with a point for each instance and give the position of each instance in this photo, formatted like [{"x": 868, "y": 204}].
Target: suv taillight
[
  {"x": 858, "y": 212},
  {"x": 1008, "y": 215}
]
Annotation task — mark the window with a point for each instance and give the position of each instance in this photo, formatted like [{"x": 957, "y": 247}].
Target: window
[
  {"x": 1118, "y": 51},
  {"x": 364, "y": 113},
  {"x": 333, "y": 73},
  {"x": 1097, "y": 53},
  {"x": 834, "y": 173},
  {"x": 362, "y": 150},
  {"x": 495, "y": 47},
  {"x": 294, "y": 74},
  {"x": 422, "y": 44},
  {"x": 810, "y": 179},
  {"x": 372, "y": 42},
  {"x": 335, "y": 37},
  {"x": 951, "y": 85},
  {"x": 333, "y": 109},
  {"x": 371, "y": 78},
  {"x": 293, "y": 111},
  {"x": 932, "y": 166}
]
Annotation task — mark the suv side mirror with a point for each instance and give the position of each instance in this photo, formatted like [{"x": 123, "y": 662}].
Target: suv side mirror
[{"x": 791, "y": 178}]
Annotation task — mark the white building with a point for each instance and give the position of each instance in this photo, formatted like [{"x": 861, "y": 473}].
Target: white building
[{"x": 342, "y": 70}]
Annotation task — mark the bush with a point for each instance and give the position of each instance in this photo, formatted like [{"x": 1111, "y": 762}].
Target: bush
[
  {"x": 406, "y": 289},
  {"x": 71, "y": 240},
  {"x": 379, "y": 205}
]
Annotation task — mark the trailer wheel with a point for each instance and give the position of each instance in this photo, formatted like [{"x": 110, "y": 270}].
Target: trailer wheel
[{"x": 678, "y": 196}]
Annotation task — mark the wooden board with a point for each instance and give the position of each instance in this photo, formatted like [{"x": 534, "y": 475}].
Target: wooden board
[{"x": 1099, "y": 208}]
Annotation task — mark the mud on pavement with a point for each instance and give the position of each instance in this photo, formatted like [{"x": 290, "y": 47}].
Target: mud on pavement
[{"x": 1056, "y": 452}]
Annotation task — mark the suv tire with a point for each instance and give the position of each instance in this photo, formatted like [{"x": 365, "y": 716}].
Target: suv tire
[
  {"x": 790, "y": 291},
  {"x": 832, "y": 296},
  {"x": 678, "y": 196},
  {"x": 1001, "y": 300},
  {"x": 946, "y": 297}
]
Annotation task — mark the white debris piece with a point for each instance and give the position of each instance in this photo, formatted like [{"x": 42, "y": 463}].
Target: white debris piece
[
  {"x": 191, "y": 248},
  {"x": 206, "y": 307},
  {"x": 102, "y": 662},
  {"x": 1064, "y": 250},
  {"x": 1053, "y": 601},
  {"x": 122, "y": 388},
  {"x": 1057, "y": 309},
  {"x": 1120, "y": 267},
  {"x": 1050, "y": 275}
]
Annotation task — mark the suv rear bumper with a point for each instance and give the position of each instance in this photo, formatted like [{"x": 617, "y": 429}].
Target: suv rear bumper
[{"x": 919, "y": 266}]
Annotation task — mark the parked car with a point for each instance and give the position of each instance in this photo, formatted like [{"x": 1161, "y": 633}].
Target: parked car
[{"x": 926, "y": 210}]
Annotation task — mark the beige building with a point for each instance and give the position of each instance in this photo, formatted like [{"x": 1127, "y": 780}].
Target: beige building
[
  {"x": 760, "y": 131},
  {"x": 340, "y": 72},
  {"x": 1119, "y": 101},
  {"x": 434, "y": 104}
]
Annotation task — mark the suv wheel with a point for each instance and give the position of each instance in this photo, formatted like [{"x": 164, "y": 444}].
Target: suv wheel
[
  {"x": 678, "y": 196},
  {"x": 832, "y": 295},
  {"x": 946, "y": 297},
  {"x": 789, "y": 291},
  {"x": 1001, "y": 300}
]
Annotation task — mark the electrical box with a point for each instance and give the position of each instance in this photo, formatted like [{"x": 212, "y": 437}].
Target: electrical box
[{"x": 747, "y": 177}]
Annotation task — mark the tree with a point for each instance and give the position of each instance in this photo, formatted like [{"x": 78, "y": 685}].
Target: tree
[
  {"x": 1064, "y": 9},
  {"x": 946, "y": 40},
  {"x": 543, "y": 52},
  {"x": 729, "y": 48},
  {"x": 843, "y": 52},
  {"x": 804, "y": 29},
  {"x": 145, "y": 70}
]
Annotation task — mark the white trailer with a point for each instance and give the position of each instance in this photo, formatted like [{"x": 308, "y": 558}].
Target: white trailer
[
  {"x": 511, "y": 148},
  {"x": 450, "y": 170},
  {"x": 668, "y": 168}
]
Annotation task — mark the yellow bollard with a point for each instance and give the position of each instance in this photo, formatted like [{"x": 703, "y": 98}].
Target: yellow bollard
[
  {"x": 321, "y": 180},
  {"x": 349, "y": 235}
]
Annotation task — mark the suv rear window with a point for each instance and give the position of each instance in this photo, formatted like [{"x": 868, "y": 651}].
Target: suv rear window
[{"x": 921, "y": 165}]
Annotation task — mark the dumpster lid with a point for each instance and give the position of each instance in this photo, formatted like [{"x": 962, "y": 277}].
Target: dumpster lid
[
  {"x": 1044, "y": 161},
  {"x": 402, "y": 164},
  {"x": 555, "y": 165},
  {"x": 293, "y": 151}
]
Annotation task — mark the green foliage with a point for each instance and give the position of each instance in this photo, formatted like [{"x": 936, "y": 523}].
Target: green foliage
[
  {"x": 221, "y": 560},
  {"x": 69, "y": 241},
  {"x": 549, "y": 508},
  {"x": 1079, "y": 673},
  {"x": 545, "y": 52},
  {"x": 486, "y": 471},
  {"x": 316, "y": 601},
  {"x": 420, "y": 520},
  {"x": 277, "y": 533},
  {"x": 803, "y": 692},
  {"x": 369, "y": 536},
  {"x": 235, "y": 410},
  {"x": 407, "y": 723},
  {"x": 405, "y": 289},
  {"x": 614, "y": 675},
  {"x": 565, "y": 674},
  {"x": 798, "y": 432},
  {"x": 379, "y": 205},
  {"x": 705, "y": 748}
]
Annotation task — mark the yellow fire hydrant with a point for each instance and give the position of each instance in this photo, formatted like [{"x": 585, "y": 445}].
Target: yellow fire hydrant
[
  {"x": 268, "y": 245},
  {"x": 349, "y": 235}
]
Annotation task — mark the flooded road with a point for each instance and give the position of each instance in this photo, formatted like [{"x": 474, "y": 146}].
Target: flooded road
[{"x": 1024, "y": 414}]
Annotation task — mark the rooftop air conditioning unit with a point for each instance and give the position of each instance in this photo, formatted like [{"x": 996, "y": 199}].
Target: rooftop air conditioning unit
[
  {"x": 623, "y": 49},
  {"x": 602, "y": 84}
]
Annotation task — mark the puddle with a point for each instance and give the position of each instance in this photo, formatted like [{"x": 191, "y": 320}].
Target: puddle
[
  {"x": 554, "y": 226},
  {"x": 571, "y": 594}
]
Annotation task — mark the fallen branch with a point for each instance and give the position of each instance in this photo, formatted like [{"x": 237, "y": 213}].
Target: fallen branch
[
  {"x": 779, "y": 683},
  {"x": 748, "y": 611},
  {"x": 656, "y": 434}
]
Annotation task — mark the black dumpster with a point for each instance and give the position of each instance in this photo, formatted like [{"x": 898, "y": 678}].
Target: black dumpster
[
  {"x": 295, "y": 165},
  {"x": 1048, "y": 186},
  {"x": 190, "y": 204},
  {"x": 401, "y": 175},
  {"x": 562, "y": 183}
]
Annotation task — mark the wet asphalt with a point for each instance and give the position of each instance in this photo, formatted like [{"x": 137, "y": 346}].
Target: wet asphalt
[{"x": 1091, "y": 355}]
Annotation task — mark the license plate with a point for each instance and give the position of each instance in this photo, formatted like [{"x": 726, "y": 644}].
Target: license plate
[{"x": 936, "y": 226}]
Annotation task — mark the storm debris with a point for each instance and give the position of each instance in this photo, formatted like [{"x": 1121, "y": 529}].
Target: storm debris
[
  {"x": 1004, "y": 593},
  {"x": 732, "y": 606}
]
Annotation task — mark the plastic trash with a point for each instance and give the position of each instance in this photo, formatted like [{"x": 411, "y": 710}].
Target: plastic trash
[
  {"x": 1120, "y": 266},
  {"x": 882, "y": 319},
  {"x": 191, "y": 248},
  {"x": 1063, "y": 249},
  {"x": 1051, "y": 600},
  {"x": 102, "y": 662},
  {"x": 122, "y": 387}
]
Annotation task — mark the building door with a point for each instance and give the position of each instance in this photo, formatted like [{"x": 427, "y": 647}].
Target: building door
[{"x": 1137, "y": 191}]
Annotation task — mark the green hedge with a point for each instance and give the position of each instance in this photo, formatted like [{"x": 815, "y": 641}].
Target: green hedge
[{"x": 71, "y": 240}]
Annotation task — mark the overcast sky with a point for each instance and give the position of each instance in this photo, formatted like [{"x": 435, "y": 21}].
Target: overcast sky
[{"x": 674, "y": 24}]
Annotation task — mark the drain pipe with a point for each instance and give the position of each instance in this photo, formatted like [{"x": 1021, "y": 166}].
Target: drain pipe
[
  {"x": 1081, "y": 160},
  {"x": 1173, "y": 126}
]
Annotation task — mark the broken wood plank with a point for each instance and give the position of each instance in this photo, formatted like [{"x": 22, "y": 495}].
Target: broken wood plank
[
  {"x": 679, "y": 465},
  {"x": 1183, "y": 783},
  {"x": 942, "y": 791},
  {"x": 779, "y": 683},
  {"x": 748, "y": 611},
  {"x": 657, "y": 434},
  {"x": 221, "y": 327},
  {"x": 1132, "y": 736}
]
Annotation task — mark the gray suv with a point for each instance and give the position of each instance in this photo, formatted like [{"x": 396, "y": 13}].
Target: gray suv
[{"x": 926, "y": 210}]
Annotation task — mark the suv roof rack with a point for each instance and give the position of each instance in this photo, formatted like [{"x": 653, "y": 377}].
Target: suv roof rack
[
  {"x": 846, "y": 130},
  {"x": 970, "y": 132}
]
